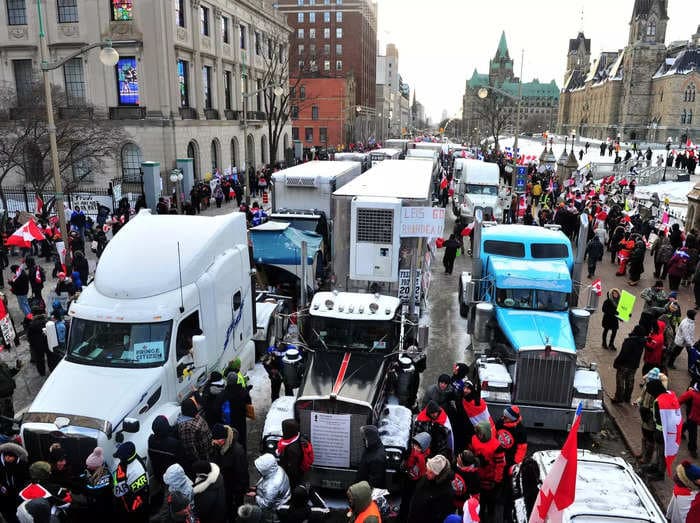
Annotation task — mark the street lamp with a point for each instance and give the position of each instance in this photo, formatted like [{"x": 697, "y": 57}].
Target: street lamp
[
  {"x": 109, "y": 57},
  {"x": 176, "y": 177}
]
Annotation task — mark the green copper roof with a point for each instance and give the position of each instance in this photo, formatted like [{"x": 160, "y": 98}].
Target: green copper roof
[
  {"x": 502, "y": 46},
  {"x": 533, "y": 89},
  {"x": 478, "y": 80}
]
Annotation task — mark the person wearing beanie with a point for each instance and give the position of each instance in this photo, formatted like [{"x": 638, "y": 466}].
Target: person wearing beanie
[
  {"x": 610, "y": 321},
  {"x": 98, "y": 485},
  {"x": 231, "y": 458},
  {"x": 164, "y": 449},
  {"x": 176, "y": 508},
  {"x": 691, "y": 398},
  {"x": 35, "y": 511},
  {"x": 209, "y": 493},
  {"x": 214, "y": 386},
  {"x": 684, "y": 506},
  {"x": 372, "y": 467},
  {"x": 362, "y": 507},
  {"x": 654, "y": 296},
  {"x": 492, "y": 460},
  {"x": 41, "y": 486},
  {"x": 13, "y": 475},
  {"x": 130, "y": 484},
  {"x": 60, "y": 470},
  {"x": 432, "y": 499},
  {"x": 434, "y": 420},
  {"x": 512, "y": 435},
  {"x": 651, "y": 388},
  {"x": 414, "y": 467},
  {"x": 249, "y": 514},
  {"x": 194, "y": 435},
  {"x": 465, "y": 483},
  {"x": 626, "y": 364},
  {"x": 666, "y": 413},
  {"x": 289, "y": 451},
  {"x": 232, "y": 407}
]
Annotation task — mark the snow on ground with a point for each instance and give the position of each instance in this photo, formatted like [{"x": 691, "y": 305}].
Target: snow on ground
[{"x": 677, "y": 192}]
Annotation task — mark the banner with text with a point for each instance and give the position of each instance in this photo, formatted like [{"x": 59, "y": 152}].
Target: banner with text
[
  {"x": 422, "y": 222},
  {"x": 330, "y": 439}
]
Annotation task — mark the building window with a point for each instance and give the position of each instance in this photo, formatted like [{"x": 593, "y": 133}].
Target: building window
[
  {"x": 338, "y": 32},
  {"x": 312, "y": 17},
  {"x": 224, "y": 30},
  {"x": 300, "y": 2},
  {"x": 309, "y": 134},
  {"x": 127, "y": 81},
  {"x": 300, "y": 17},
  {"x": 339, "y": 2},
  {"x": 294, "y": 112},
  {"x": 243, "y": 41},
  {"x": 300, "y": 32},
  {"x": 131, "y": 162},
  {"x": 206, "y": 85},
  {"x": 300, "y": 65},
  {"x": 258, "y": 96},
  {"x": 326, "y": 33},
  {"x": 326, "y": 65},
  {"x": 227, "y": 89},
  {"x": 270, "y": 47},
  {"x": 314, "y": 112},
  {"x": 326, "y": 49},
  {"x": 214, "y": 156},
  {"x": 683, "y": 115},
  {"x": 204, "y": 18},
  {"x": 24, "y": 78},
  {"x": 689, "y": 95},
  {"x": 339, "y": 16},
  {"x": 323, "y": 134},
  {"x": 300, "y": 49},
  {"x": 338, "y": 65},
  {"x": 122, "y": 10},
  {"x": 295, "y": 133},
  {"x": 74, "y": 82},
  {"x": 180, "y": 13},
  {"x": 312, "y": 50},
  {"x": 312, "y": 2},
  {"x": 81, "y": 167},
  {"x": 67, "y": 11},
  {"x": 302, "y": 92},
  {"x": 339, "y": 49},
  {"x": 327, "y": 17},
  {"x": 16, "y": 12},
  {"x": 183, "y": 82},
  {"x": 312, "y": 33},
  {"x": 651, "y": 28},
  {"x": 689, "y": 118},
  {"x": 258, "y": 46}
]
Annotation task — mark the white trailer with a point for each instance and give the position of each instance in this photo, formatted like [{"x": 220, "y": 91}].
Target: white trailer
[{"x": 478, "y": 188}]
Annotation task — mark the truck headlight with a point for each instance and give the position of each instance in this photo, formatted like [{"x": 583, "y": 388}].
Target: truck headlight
[
  {"x": 589, "y": 401},
  {"x": 499, "y": 394},
  {"x": 394, "y": 457}
]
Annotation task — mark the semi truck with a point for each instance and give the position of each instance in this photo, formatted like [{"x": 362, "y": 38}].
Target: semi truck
[
  {"x": 477, "y": 188},
  {"x": 527, "y": 335},
  {"x": 171, "y": 301}
]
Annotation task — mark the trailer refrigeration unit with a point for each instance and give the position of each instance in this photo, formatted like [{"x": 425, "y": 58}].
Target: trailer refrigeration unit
[
  {"x": 526, "y": 333},
  {"x": 364, "y": 342}
]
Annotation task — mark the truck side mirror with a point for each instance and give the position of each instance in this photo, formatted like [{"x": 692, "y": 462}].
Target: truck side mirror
[
  {"x": 51, "y": 335},
  {"x": 130, "y": 425},
  {"x": 199, "y": 350}
]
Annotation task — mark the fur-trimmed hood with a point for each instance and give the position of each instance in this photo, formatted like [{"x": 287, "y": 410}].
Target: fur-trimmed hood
[
  {"x": 203, "y": 481},
  {"x": 13, "y": 448}
]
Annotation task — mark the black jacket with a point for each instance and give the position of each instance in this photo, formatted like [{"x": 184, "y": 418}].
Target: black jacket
[
  {"x": 373, "y": 461},
  {"x": 35, "y": 333},
  {"x": 164, "y": 449},
  {"x": 432, "y": 499},
  {"x": 233, "y": 465},
  {"x": 610, "y": 320},
  {"x": 209, "y": 496},
  {"x": 631, "y": 351},
  {"x": 20, "y": 285}
]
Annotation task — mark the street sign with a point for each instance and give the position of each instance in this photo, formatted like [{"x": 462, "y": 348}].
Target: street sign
[{"x": 520, "y": 178}]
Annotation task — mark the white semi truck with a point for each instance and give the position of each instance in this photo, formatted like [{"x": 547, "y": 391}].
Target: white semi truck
[
  {"x": 477, "y": 189},
  {"x": 171, "y": 302}
]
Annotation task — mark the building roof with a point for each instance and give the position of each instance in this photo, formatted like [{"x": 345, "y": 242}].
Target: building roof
[
  {"x": 575, "y": 80},
  {"x": 502, "y": 51},
  {"x": 533, "y": 89},
  {"x": 643, "y": 8},
  {"x": 606, "y": 67},
  {"x": 478, "y": 80},
  {"x": 683, "y": 62},
  {"x": 574, "y": 43}
]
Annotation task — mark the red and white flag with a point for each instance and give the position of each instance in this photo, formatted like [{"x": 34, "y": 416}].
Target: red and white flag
[
  {"x": 39, "y": 204},
  {"x": 672, "y": 426},
  {"x": 597, "y": 287},
  {"x": 559, "y": 488}
]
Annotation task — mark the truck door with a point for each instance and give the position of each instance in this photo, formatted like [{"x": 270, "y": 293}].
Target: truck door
[{"x": 187, "y": 375}]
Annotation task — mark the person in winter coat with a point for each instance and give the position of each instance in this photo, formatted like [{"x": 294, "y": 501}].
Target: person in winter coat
[
  {"x": 466, "y": 479},
  {"x": 164, "y": 449},
  {"x": 448, "y": 259},
  {"x": 414, "y": 467},
  {"x": 289, "y": 451},
  {"x": 654, "y": 346},
  {"x": 691, "y": 397},
  {"x": 80, "y": 264},
  {"x": 362, "y": 508},
  {"x": 372, "y": 466},
  {"x": 194, "y": 434},
  {"x": 677, "y": 268},
  {"x": 653, "y": 385},
  {"x": 616, "y": 237},
  {"x": 492, "y": 462},
  {"x": 676, "y": 236},
  {"x": 684, "y": 506},
  {"x": 13, "y": 477},
  {"x": 636, "y": 260},
  {"x": 214, "y": 386},
  {"x": 272, "y": 490},
  {"x": 432, "y": 500},
  {"x": 626, "y": 363},
  {"x": 611, "y": 322},
  {"x": 667, "y": 402},
  {"x": 176, "y": 482},
  {"x": 685, "y": 337},
  {"x": 654, "y": 296},
  {"x": 130, "y": 484},
  {"x": 37, "y": 278},
  {"x": 623, "y": 255},
  {"x": 231, "y": 458},
  {"x": 19, "y": 285},
  {"x": 209, "y": 493},
  {"x": 513, "y": 438},
  {"x": 98, "y": 485},
  {"x": 176, "y": 508},
  {"x": 232, "y": 406},
  {"x": 594, "y": 252},
  {"x": 662, "y": 251},
  {"x": 433, "y": 420},
  {"x": 696, "y": 285},
  {"x": 36, "y": 510},
  {"x": 474, "y": 408},
  {"x": 441, "y": 393},
  {"x": 38, "y": 346}
]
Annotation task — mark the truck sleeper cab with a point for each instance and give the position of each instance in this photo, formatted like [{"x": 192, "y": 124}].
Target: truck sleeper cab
[
  {"x": 477, "y": 189},
  {"x": 525, "y": 333}
]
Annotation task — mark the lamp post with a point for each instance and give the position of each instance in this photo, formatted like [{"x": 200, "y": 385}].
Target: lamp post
[
  {"x": 176, "y": 177},
  {"x": 109, "y": 57}
]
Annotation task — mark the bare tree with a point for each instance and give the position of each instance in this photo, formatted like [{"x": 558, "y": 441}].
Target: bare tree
[
  {"x": 536, "y": 123},
  {"x": 84, "y": 142},
  {"x": 495, "y": 111}
]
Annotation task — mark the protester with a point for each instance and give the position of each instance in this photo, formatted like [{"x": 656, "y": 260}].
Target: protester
[
  {"x": 685, "y": 337},
  {"x": 194, "y": 435},
  {"x": 13, "y": 477},
  {"x": 432, "y": 499},
  {"x": 626, "y": 363},
  {"x": 130, "y": 484},
  {"x": 164, "y": 448},
  {"x": 362, "y": 508},
  {"x": 691, "y": 398},
  {"x": 230, "y": 456},
  {"x": 98, "y": 485},
  {"x": 373, "y": 464},
  {"x": 611, "y": 321},
  {"x": 209, "y": 493},
  {"x": 684, "y": 506},
  {"x": 272, "y": 490}
]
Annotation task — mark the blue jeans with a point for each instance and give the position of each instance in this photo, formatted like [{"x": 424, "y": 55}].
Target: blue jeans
[{"x": 23, "y": 303}]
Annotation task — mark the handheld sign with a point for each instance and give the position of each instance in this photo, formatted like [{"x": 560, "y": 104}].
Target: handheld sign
[{"x": 625, "y": 305}]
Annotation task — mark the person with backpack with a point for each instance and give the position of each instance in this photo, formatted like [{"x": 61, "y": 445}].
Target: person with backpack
[
  {"x": 594, "y": 252},
  {"x": 685, "y": 337},
  {"x": 295, "y": 452},
  {"x": 232, "y": 406}
]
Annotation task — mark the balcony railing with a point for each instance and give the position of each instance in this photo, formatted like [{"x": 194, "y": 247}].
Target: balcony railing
[
  {"x": 188, "y": 113},
  {"x": 231, "y": 114},
  {"x": 127, "y": 113},
  {"x": 211, "y": 114}
]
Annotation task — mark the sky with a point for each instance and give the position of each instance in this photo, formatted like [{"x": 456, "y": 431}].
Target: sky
[{"x": 440, "y": 42}]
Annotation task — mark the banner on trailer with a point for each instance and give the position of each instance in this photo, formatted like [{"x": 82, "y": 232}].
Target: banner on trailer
[
  {"x": 422, "y": 222},
  {"x": 330, "y": 437}
]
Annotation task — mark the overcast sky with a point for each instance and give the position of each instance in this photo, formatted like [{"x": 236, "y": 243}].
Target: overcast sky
[{"x": 440, "y": 42}]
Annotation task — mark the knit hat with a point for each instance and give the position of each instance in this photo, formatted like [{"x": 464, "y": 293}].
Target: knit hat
[
  {"x": 96, "y": 459},
  {"x": 673, "y": 294},
  {"x": 432, "y": 408},
  {"x": 201, "y": 467},
  {"x": 437, "y": 464},
  {"x": 444, "y": 378},
  {"x": 235, "y": 364},
  {"x": 469, "y": 384},
  {"x": 653, "y": 374},
  {"x": 512, "y": 413},
  {"x": 218, "y": 431},
  {"x": 176, "y": 503},
  {"x": 39, "y": 471},
  {"x": 290, "y": 428},
  {"x": 249, "y": 514},
  {"x": 188, "y": 408},
  {"x": 692, "y": 472},
  {"x": 125, "y": 451}
]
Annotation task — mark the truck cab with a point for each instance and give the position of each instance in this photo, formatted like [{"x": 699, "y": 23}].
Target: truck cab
[
  {"x": 145, "y": 335},
  {"x": 519, "y": 300},
  {"x": 477, "y": 189}
]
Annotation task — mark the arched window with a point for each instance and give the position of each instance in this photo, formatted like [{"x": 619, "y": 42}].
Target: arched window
[
  {"x": 192, "y": 152},
  {"x": 263, "y": 149},
  {"x": 683, "y": 116},
  {"x": 234, "y": 152},
  {"x": 214, "y": 155},
  {"x": 689, "y": 118},
  {"x": 131, "y": 162},
  {"x": 651, "y": 28}
]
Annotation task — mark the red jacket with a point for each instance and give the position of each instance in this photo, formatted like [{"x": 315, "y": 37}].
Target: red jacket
[
  {"x": 493, "y": 459},
  {"x": 692, "y": 396},
  {"x": 654, "y": 347},
  {"x": 415, "y": 464}
]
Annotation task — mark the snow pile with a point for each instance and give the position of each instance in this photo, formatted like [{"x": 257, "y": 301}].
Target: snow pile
[
  {"x": 677, "y": 192},
  {"x": 281, "y": 409},
  {"x": 395, "y": 426}
]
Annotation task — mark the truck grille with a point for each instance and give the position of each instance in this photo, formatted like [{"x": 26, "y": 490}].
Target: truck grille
[
  {"x": 359, "y": 416},
  {"x": 77, "y": 447},
  {"x": 545, "y": 378},
  {"x": 300, "y": 181}
]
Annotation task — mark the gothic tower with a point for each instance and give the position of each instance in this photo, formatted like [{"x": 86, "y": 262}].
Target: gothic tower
[
  {"x": 579, "y": 56},
  {"x": 501, "y": 67}
]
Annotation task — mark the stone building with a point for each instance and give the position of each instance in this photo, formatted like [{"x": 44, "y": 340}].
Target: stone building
[
  {"x": 645, "y": 91},
  {"x": 539, "y": 104},
  {"x": 392, "y": 96},
  {"x": 177, "y": 88}
]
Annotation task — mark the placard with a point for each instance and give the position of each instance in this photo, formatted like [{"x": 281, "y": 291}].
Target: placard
[
  {"x": 422, "y": 222},
  {"x": 330, "y": 437},
  {"x": 405, "y": 285},
  {"x": 625, "y": 305},
  {"x": 149, "y": 352}
]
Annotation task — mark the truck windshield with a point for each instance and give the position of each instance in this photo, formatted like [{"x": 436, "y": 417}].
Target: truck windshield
[
  {"x": 363, "y": 335},
  {"x": 489, "y": 190},
  {"x": 108, "y": 344},
  {"x": 532, "y": 299}
]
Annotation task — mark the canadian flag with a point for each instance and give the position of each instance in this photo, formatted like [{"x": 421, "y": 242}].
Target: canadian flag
[
  {"x": 597, "y": 287},
  {"x": 559, "y": 488},
  {"x": 39, "y": 204},
  {"x": 672, "y": 425},
  {"x": 689, "y": 143}
]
